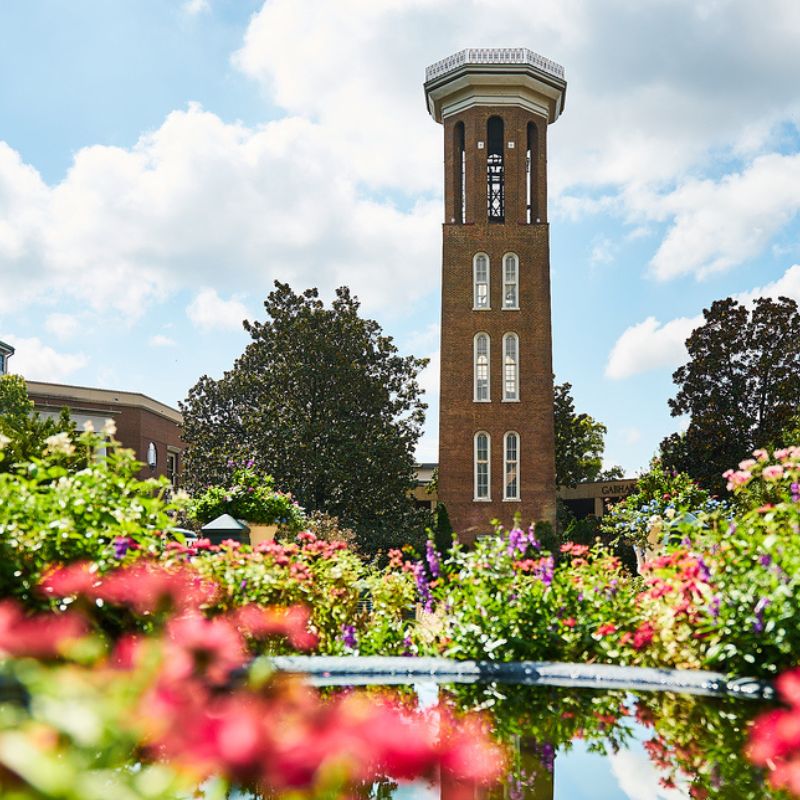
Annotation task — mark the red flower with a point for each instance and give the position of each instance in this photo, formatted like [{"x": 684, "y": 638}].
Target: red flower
[
  {"x": 200, "y": 647},
  {"x": 575, "y": 549},
  {"x": 71, "y": 580},
  {"x": 147, "y": 587},
  {"x": 40, "y": 636},
  {"x": 606, "y": 628},
  {"x": 643, "y": 636},
  {"x": 569, "y": 622},
  {"x": 292, "y": 623}
]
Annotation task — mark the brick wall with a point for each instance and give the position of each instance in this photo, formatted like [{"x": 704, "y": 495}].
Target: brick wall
[{"x": 460, "y": 416}]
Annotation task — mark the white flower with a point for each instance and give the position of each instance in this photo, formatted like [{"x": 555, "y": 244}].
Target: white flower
[
  {"x": 4, "y": 441},
  {"x": 670, "y": 513},
  {"x": 181, "y": 496},
  {"x": 59, "y": 443},
  {"x": 88, "y": 426},
  {"x": 110, "y": 428}
]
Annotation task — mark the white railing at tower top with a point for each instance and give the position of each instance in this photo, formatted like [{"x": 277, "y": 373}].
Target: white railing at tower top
[{"x": 493, "y": 55}]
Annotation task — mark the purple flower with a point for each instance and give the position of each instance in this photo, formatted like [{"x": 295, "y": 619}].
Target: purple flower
[
  {"x": 532, "y": 540},
  {"x": 705, "y": 572},
  {"x": 121, "y": 546},
  {"x": 250, "y": 463},
  {"x": 517, "y": 542},
  {"x": 547, "y": 755},
  {"x": 795, "y": 488},
  {"x": 713, "y": 607},
  {"x": 349, "y": 637},
  {"x": 243, "y": 585},
  {"x": 423, "y": 588},
  {"x": 544, "y": 570},
  {"x": 407, "y": 645},
  {"x": 765, "y": 560},
  {"x": 432, "y": 557},
  {"x": 758, "y": 625},
  {"x": 731, "y": 527}
]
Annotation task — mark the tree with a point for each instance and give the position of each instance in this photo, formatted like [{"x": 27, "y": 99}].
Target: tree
[
  {"x": 580, "y": 442},
  {"x": 321, "y": 400},
  {"x": 740, "y": 387},
  {"x": 23, "y": 427}
]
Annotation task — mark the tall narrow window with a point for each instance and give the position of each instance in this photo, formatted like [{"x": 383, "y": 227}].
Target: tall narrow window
[
  {"x": 510, "y": 367},
  {"x": 510, "y": 281},
  {"x": 495, "y": 189},
  {"x": 460, "y": 193},
  {"x": 482, "y": 368},
  {"x": 530, "y": 169},
  {"x": 480, "y": 269},
  {"x": 483, "y": 449},
  {"x": 511, "y": 466}
]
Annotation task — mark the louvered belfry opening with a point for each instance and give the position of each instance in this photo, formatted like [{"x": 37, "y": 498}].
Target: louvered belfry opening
[{"x": 495, "y": 178}]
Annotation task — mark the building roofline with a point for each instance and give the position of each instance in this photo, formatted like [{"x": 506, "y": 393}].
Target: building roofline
[
  {"x": 90, "y": 394},
  {"x": 6, "y": 349}
]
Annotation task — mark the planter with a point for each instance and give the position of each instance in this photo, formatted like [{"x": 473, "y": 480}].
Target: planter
[{"x": 259, "y": 532}]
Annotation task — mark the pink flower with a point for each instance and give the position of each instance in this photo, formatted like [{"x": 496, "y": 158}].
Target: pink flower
[
  {"x": 606, "y": 628},
  {"x": 77, "y": 578},
  {"x": 773, "y": 472},
  {"x": 259, "y": 622},
  {"x": 761, "y": 455}
]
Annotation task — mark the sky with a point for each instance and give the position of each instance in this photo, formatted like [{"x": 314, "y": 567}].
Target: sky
[{"x": 162, "y": 162}]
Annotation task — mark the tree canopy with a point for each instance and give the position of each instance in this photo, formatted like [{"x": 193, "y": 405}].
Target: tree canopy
[
  {"x": 740, "y": 387},
  {"x": 580, "y": 442},
  {"x": 22, "y": 426},
  {"x": 321, "y": 400}
]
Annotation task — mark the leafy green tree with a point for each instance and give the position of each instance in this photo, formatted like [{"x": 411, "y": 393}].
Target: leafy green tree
[
  {"x": 740, "y": 387},
  {"x": 321, "y": 400},
  {"x": 25, "y": 429},
  {"x": 580, "y": 442}
]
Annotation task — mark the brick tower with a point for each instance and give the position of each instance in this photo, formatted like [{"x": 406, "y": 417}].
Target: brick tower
[{"x": 496, "y": 448}]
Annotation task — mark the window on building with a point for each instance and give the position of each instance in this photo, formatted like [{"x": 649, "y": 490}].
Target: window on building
[
  {"x": 2, "y": 364},
  {"x": 172, "y": 468},
  {"x": 480, "y": 270},
  {"x": 511, "y": 466},
  {"x": 483, "y": 447},
  {"x": 530, "y": 169},
  {"x": 460, "y": 193},
  {"x": 495, "y": 180},
  {"x": 510, "y": 367},
  {"x": 481, "y": 344},
  {"x": 510, "y": 281}
]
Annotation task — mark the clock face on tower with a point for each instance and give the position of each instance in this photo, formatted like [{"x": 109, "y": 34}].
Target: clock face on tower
[{"x": 496, "y": 450}]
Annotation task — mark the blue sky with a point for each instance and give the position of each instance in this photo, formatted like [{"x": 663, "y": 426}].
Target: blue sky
[{"x": 161, "y": 163}]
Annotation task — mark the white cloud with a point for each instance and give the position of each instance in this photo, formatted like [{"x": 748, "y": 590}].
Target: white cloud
[
  {"x": 720, "y": 224},
  {"x": 638, "y": 778},
  {"x": 208, "y": 311},
  {"x": 37, "y": 361},
  {"x": 649, "y": 344},
  {"x": 64, "y": 326},
  {"x": 603, "y": 251},
  {"x": 202, "y": 202},
  {"x": 159, "y": 340},
  {"x": 194, "y": 7}
]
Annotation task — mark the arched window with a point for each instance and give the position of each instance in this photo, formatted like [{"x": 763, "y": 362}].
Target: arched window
[
  {"x": 481, "y": 346},
  {"x": 460, "y": 193},
  {"x": 483, "y": 452},
  {"x": 530, "y": 168},
  {"x": 495, "y": 183},
  {"x": 511, "y": 367},
  {"x": 510, "y": 281},
  {"x": 511, "y": 466},
  {"x": 480, "y": 272}
]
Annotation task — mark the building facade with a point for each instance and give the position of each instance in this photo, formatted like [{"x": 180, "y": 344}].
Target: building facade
[
  {"x": 150, "y": 428},
  {"x": 6, "y": 351},
  {"x": 496, "y": 441}
]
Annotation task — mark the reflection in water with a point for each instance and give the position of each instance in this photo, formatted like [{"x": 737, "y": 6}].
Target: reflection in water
[{"x": 568, "y": 744}]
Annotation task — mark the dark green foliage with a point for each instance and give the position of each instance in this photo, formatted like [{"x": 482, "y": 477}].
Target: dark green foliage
[
  {"x": 580, "y": 441},
  {"x": 740, "y": 387},
  {"x": 443, "y": 532},
  {"x": 321, "y": 400}
]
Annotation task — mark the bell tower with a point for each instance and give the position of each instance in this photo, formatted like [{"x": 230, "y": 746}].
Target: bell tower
[{"x": 496, "y": 446}]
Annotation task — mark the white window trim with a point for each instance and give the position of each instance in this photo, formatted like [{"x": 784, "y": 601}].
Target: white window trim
[
  {"x": 488, "y": 398},
  {"x": 517, "y": 498},
  {"x": 503, "y": 305},
  {"x": 503, "y": 369},
  {"x": 488, "y": 498},
  {"x": 475, "y": 306}
]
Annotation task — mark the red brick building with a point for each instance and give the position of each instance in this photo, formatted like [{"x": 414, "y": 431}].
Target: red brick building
[
  {"x": 150, "y": 428},
  {"x": 496, "y": 442}
]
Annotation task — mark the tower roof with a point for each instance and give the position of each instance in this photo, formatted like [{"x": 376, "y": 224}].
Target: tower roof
[{"x": 495, "y": 76}]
